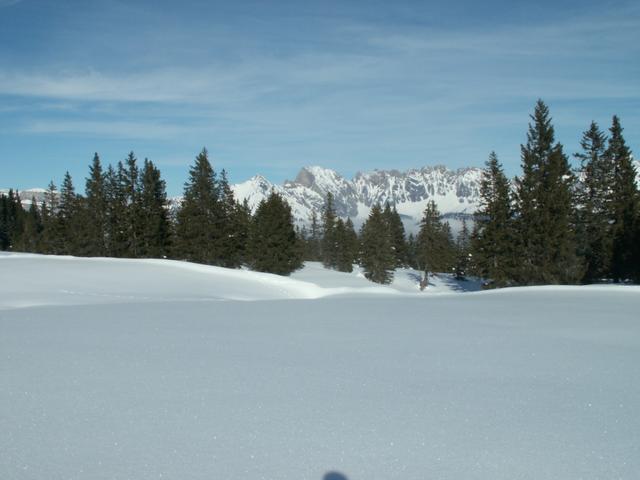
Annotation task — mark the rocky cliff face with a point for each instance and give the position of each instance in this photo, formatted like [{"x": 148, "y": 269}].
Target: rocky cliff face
[{"x": 455, "y": 192}]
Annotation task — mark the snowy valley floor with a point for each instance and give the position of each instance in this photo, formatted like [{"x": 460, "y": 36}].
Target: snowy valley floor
[{"x": 119, "y": 369}]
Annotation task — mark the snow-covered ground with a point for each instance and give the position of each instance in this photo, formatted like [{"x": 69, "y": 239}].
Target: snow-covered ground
[{"x": 118, "y": 369}]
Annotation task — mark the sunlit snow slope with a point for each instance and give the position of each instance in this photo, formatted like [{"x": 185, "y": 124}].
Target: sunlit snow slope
[{"x": 122, "y": 369}]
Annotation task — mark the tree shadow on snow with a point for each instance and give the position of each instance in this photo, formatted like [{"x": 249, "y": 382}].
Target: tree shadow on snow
[
  {"x": 334, "y": 476},
  {"x": 464, "y": 285},
  {"x": 449, "y": 281}
]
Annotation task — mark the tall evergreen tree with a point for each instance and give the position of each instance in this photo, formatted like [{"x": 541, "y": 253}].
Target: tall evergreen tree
[
  {"x": 130, "y": 177},
  {"x": 52, "y": 240},
  {"x": 29, "y": 239},
  {"x": 435, "y": 251},
  {"x": 230, "y": 248},
  {"x": 493, "y": 237},
  {"x": 625, "y": 206},
  {"x": 347, "y": 245},
  {"x": 117, "y": 238},
  {"x": 377, "y": 255},
  {"x": 197, "y": 228},
  {"x": 273, "y": 244},
  {"x": 397, "y": 234},
  {"x": 314, "y": 239},
  {"x": 462, "y": 262},
  {"x": 67, "y": 216},
  {"x": 329, "y": 242},
  {"x": 96, "y": 202},
  {"x": 154, "y": 227},
  {"x": 594, "y": 205},
  {"x": 545, "y": 206}
]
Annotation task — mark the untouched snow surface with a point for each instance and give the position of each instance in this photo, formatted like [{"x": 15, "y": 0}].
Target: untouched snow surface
[{"x": 122, "y": 369}]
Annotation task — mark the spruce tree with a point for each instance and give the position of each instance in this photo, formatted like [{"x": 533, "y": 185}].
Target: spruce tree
[
  {"x": 397, "y": 234},
  {"x": 314, "y": 239},
  {"x": 130, "y": 177},
  {"x": 67, "y": 217},
  {"x": 29, "y": 239},
  {"x": 197, "y": 228},
  {"x": 462, "y": 252},
  {"x": 377, "y": 255},
  {"x": 493, "y": 239},
  {"x": 329, "y": 242},
  {"x": 96, "y": 202},
  {"x": 230, "y": 249},
  {"x": 594, "y": 205},
  {"x": 273, "y": 244},
  {"x": 625, "y": 207},
  {"x": 52, "y": 238},
  {"x": 116, "y": 237},
  {"x": 545, "y": 205},
  {"x": 435, "y": 251},
  {"x": 154, "y": 222}
]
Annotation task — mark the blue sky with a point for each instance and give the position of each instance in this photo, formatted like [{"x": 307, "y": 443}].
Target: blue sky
[{"x": 269, "y": 87}]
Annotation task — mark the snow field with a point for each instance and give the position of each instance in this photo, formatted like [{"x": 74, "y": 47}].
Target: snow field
[{"x": 172, "y": 382}]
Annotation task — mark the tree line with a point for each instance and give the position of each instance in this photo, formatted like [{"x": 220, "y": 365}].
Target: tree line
[
  {"x": 551, "y": 225},
  {"x": 124, "y": 213}
]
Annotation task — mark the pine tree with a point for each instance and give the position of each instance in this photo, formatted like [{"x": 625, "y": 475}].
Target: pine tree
[
  {"x": 230, "y": 249},
  {"x": 329, "y": 243},
  {"x": 154, "y": 225},
  {"x": 462, "y": 252},
  {"x": 313, "y": 239},
  {"x": 545, "y": 207},
  {"x": 197, "y": 228},
  {"x": 116, "y": 241},
  {"x": 435, "y": 251},
  {"x": 625, "y": 206},
  {"x": 493, "y": 237},
  {"x": 273, "y": 244},
  {"x": 96, "y": 203},
  {"x": 594, "y": 205},
  {"x": 397, "y": 234},
  {"x": 67, "y": 217},
  {"x": 29, "y": 239},
  {"x": 52, "y": 239},
  {"x": 344, "y": 247},
  {"x": 377, "y": 255},
  {"x": 130, "y": 177}
]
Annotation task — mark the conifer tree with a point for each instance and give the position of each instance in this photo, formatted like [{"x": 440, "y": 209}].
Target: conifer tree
[
  {"x": 67, "y": 216},
  {"x": 154, "y": 223},
  {"x": 329, "y": 243},
  {"x": 116, "y": 241},
  {"x": 493, "y": 238},
  {"x": 462, "y": 252},
  {"x": 397, "y": 234},
  {"x": 29, "y": 238},
  {"x": 346, "y": 242},
  {"x": 313, "y": 239},
  {"x": 434, "y": 245},
  {"x": 377, "y": 255},
  {"x": 96, "y": 202},
  {"x": 52, "y": 239},
  {"x": 625, "y": 206},
  {"x": 594, "y": 205},
  {"x": 243, "y": 228},
  {"x": 230, "y": 249},
  {"x": 197, "y": 228},
  {"x": 273, "y": 244},
  {"x": 11, "y": 220},
  {"x": 545, "y": 206},
  {"x": 130, "y": 177}
]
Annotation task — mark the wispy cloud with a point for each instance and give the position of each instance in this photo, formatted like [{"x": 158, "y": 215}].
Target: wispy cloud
[{"x": 7, "y": 3}]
